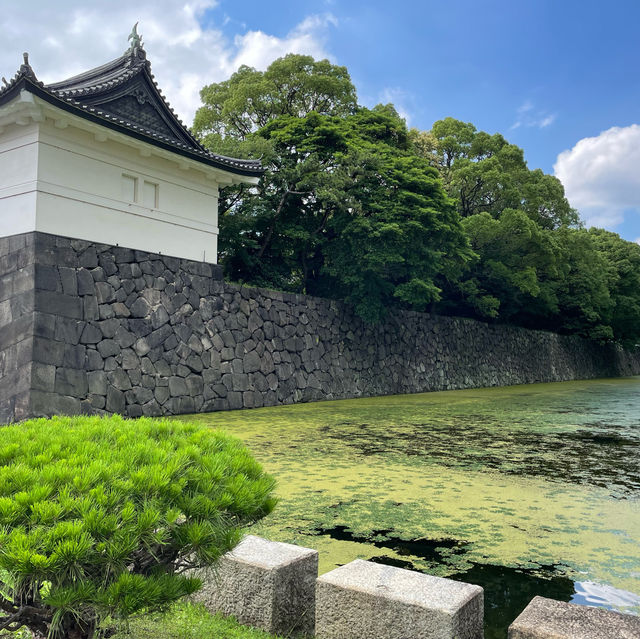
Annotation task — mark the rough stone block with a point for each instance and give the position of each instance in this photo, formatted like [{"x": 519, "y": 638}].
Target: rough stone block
[
  {"x": 43, "y": 376},
  {"x": 97, "y": 381},
  {"x": 44, "y": 404},
  {"x": 59, "y": 304},
  {"x": 90, "y": 308},
  {"x": 22, "y": 304},
  {"x": 91, "y": 334},
  {"x": 108, "y": 348},
  {"x": 94, "y": 361},
  {"x": 177, "y": 386},
  {"x": 68, "y": 330},
  {"x": 363, "y": 599},
  {"x": 69, "y": 280},
  {"x": 47, "y": 352},
  {"x": 70, "y": 381},
  {"x": 115, "y": 400},
  {"x": 121, "y": 310},
  {"x": 46, "y": 278},
  {"x": 140, "y": 308},
  {"x": 549, "y": 619},
  {"x": 14, "y": 380},
  {"x": 266, "y": 584},
  {"x": 85, "y": 282},
  {"x": 5, "y": 312},
  {"x": 74, "y": 356}
]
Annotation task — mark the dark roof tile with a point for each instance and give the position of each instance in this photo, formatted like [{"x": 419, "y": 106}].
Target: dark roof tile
[{"x": 124, "y": 92}]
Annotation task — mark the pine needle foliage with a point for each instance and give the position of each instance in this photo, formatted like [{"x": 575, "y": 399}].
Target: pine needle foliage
[{"x": 104, "y": 516}]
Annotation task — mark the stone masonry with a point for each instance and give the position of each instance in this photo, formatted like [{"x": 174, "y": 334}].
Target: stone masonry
[
  {"x": 87, "y": 328},
  {"x": 17, "y": 268}
]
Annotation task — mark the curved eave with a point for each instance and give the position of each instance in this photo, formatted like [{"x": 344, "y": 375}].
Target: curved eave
[{"x": 86, "y": 113}]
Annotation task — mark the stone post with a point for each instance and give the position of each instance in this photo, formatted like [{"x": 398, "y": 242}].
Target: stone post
[
  {"x": 549, "y": 619},
  {"x": 265, "y": 584},
  {"x": 363, "y": 599}
]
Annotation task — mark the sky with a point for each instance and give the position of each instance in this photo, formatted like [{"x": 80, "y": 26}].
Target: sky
[{"x": 559, "y": 78}]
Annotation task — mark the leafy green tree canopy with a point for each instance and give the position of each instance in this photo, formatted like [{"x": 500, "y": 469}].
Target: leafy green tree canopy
[
  {"x": 623, "y": 259},
  {"x": 293, "y": 86},
  {"x": 353, "y": 206},
  {"x": 345, "y": 210},
  {"x": 513, "y": 276},
  {"x": 584, "y": 295},
  {"x": 486, "y": 174},
  {"x": 103, "y": 516}
]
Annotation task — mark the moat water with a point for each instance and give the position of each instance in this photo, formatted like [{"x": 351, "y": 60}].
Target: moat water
[{"x": 526, "y": 490}]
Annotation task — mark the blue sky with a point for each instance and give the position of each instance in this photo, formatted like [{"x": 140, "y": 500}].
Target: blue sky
[
  {"x": 482, "y": 60},
  {"x": 558, "y": 78},
  {"x": 544, "y": 73}
]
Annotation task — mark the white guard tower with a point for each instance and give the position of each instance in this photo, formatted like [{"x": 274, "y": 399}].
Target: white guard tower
[{"x": 103, "y": 157}]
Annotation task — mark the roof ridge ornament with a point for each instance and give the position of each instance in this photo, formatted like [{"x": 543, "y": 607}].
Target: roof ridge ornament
[
  {"x": 137, "y": 46},
  {"x": 25, "y": 67}
]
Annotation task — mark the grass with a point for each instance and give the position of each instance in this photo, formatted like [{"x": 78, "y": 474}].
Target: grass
[{"x": 187, "y": 620}]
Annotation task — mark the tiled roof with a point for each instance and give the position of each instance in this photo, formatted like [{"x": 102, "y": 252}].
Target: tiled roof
[{"x": 124, "y": 95}]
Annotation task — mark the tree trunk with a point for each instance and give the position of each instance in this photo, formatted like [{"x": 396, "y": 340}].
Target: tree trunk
[{"x": 74, "y": 628}]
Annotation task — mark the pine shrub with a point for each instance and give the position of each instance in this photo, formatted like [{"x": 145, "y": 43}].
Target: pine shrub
[{"x": 103, "y": 517}]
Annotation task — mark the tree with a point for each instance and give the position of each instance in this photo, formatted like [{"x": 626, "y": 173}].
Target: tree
[
  {"x": 400, "y": 237},
  {"x": 486, "y": 174},
  {"x": 228, "y": 122},
  {"x": 535, "y": 266},
  {"x": 585, "y": 303},
  {"x": 515, "y": 274},
  {"x": 353, "y": 206},
  {"x": 103, "y": 517},
  {"x": 345, "y": 210},
  {"x": 294, "y": 85},
  {"x": 623, "y": 259}
]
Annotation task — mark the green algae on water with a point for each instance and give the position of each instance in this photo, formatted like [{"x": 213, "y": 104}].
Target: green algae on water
[{"x": 540, "y": 480}]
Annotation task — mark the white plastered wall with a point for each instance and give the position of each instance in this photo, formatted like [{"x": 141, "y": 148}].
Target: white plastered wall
[
  {"x": 18, "y": 177},
  {"x": 61, "y": 174}
]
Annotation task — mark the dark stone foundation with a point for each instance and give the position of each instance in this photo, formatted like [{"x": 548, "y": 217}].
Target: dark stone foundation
[
  {"x": 91, "y": 328},
  {"x": 17, "y": 276}
]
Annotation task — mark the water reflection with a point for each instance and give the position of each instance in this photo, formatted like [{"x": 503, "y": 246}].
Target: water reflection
[
  {"x": 508, "y": 591},
  {"x": 592, "y": 594}
]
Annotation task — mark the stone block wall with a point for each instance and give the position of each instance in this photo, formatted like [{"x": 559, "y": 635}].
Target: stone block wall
[
  {"x": 17, "y": 268},
  {"x": 112, "y": 329}
]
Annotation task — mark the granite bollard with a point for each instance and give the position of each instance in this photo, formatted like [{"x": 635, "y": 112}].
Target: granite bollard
[
  {"x": 363, "y": 599},
  {"x": 265, "y": 584},
  {"x": 549, "y": 619}
]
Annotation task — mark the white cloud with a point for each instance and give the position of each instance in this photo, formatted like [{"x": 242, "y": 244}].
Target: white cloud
[
  {"x": 528, "y": 116},
  {"x": 257, "y": 49},
  {"x": 601, "y": 177},
  {"x": 546, "y": 121},
  {"x": 638, "y": 241},
  {"x": 70, "y": 36},
  {"x": 525, "y": 107}
]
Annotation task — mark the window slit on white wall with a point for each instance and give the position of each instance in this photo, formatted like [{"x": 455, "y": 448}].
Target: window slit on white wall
[
  {"x": 147, "y": 194},
  {"x": 129, "y": 188},
  {"x": 150, "y": 195}
]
